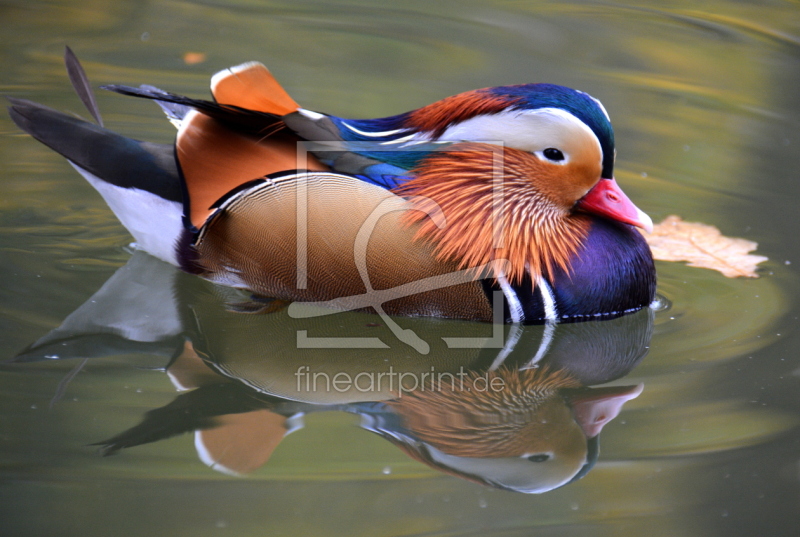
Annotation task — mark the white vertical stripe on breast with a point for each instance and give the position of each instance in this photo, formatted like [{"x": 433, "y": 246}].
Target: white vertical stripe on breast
[
  {"x": 548, "y": 300},
  {"x": 514, "y": 305}
]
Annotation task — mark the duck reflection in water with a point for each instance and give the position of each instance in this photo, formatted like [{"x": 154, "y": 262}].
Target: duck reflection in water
[{"x": 515, "y": 412}]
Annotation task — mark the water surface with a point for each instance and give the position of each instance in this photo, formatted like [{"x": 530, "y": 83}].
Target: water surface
[{"x": 703, "y": 100}]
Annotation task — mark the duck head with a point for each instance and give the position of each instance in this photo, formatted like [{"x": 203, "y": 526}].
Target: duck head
[
  {"x": 533, "y": 158},
  {"x": 533, "y": 209}
]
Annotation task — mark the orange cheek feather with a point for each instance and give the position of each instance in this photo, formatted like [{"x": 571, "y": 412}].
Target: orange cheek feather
[
  {"x": 536, "y": 234},
  {"x": 436, "y": 117}
]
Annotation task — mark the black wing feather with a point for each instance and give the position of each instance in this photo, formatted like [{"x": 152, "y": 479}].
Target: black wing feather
[
  {"x": 241, "y": 119},
  {"x": 81, "y": 84}
]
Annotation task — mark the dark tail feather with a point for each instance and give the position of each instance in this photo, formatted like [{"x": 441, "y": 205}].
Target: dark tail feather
[
  {"x": 175, "y": 112},
  {"x": 241, "y": 119},
  {"x": 116, "y": 159},
  {"x": 156, "y": 94},
  {"x": 81, "y": 84},
  {"x": 188, "y": 412}
]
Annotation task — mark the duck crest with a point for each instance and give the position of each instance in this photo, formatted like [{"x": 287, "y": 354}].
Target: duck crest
[
  {"x": 436, "y": 117},
  {"x": 493, "y": 211}
]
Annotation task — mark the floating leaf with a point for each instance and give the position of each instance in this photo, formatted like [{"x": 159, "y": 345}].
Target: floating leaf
[
  {"x": 703, "y": 246},
  {"x": 192, "y": 58}
]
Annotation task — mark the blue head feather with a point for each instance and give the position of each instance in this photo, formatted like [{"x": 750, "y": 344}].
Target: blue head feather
[
  {"x": 520, "y": 97},
  {"x": 577, "y": 103}
]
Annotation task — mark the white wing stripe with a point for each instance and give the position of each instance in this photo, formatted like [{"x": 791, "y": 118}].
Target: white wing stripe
[{"x": 372, "y": 134}]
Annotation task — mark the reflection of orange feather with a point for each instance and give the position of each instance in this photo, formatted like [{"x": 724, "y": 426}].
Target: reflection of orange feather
[
  {"x": 510, "y": 218},
  {"x": 477, "y": 420},
  {"x": 189, "y": 370},
  {"x": 241, "y": 443}
]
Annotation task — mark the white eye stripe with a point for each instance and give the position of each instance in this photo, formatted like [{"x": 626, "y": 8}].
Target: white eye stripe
[
  {"x": 515, "y": 308},
  {"x": 528, "y": 130}
]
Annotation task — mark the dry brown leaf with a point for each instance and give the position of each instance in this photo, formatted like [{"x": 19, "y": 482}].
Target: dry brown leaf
[
  {"x": 703, "y": 246},
  {"x": 192, "y": 58}
]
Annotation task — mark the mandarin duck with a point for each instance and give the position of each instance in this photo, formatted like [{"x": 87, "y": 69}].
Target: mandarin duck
[{"x": 414, "y": 214}]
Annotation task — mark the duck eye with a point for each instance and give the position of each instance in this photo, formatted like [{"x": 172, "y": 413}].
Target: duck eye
[
  {"x": 540, "y": 457},
  {"x": 551, "y": 153}
]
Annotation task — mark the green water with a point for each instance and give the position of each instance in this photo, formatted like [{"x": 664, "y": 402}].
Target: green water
[{"x": 704, "y": 104}]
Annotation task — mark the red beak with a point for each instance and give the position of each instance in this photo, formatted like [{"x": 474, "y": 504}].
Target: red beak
[{"x": 607, "y": 199}]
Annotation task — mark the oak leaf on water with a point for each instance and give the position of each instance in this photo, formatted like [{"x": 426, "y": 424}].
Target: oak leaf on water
[{"x": 703, "y": 246}]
